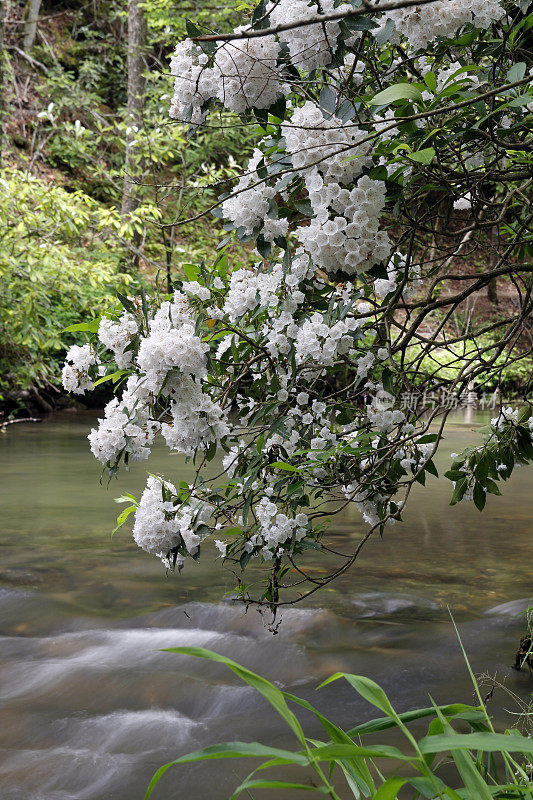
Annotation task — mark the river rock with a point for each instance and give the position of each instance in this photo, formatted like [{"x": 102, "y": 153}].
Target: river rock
[{"x": 381, "y": 605}]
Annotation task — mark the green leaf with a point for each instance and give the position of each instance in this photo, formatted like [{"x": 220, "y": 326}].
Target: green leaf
[
  {"x": 86, "y": 327},
  {"x": 386, "y": 379},
  {"x": 360, "y": 23},
  {"x": 517, "y": 72},
  {"x": 327, "y": 100},
  {"x": 192, "y": 271},
  {"x": 244, "y": 560},
  {"x": 421, "y": 478},
  {"x": 524, "y": 413},
  {"x": 192, "y": 30},
  {"x": 425, "y": 156},
  {"x": 487, "y": 742},
  {"x": 126, "y": 302},
  {"x": 230, "y": 750},
  {"x": 284, "y": 466},
  {"x": 454, "y": 475},
  {"x": 383, "y": 723},
  {"x": 305, "y": 208},
  {"x": 480, "y": 498},
  {"x": 389, "y": 790},
  {"x": 431, "y": 468},
  {"x": 273, "y": 784},
  {"x": 354, "y": 768},
  {"x": 399, "y": 91},
  {"x": 492, "y": 487},
  {"x": 126, "y": 498},
  {"x": 368, "y": 689},
  {"x": 122, "y": 517},
  {"x": 333, "y": 752},
  {"x": 264, "y": 687},
  {"x": 278, "y": 108},
  {"x": 459, "y": 491},
  {"x": 427, "y": 438},
  {"x": 430, "y": 81},
  {"x": 113, "y": 377}
]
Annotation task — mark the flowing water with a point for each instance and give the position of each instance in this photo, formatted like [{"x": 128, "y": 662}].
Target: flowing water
[{"x": 90, "y": 706}]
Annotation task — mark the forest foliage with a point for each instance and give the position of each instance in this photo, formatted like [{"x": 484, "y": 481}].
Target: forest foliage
[
  {"x": 65, "y": 249},
  {"x": 54, "y": 146}
]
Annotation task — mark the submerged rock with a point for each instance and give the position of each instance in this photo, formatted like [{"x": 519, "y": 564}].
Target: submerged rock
[
  {"x": 514, "y": 608},
  {"x": 375, "y": 605}
]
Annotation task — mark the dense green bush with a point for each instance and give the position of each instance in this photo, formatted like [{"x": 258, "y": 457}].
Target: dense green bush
[{"x": 55, "y": 264}]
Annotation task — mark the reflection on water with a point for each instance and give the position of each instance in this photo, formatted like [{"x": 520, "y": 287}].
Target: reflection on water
[{"x": 89, "y": 706}]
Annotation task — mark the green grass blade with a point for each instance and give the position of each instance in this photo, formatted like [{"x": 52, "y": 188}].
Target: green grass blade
[
  {"x": 383, "y": 723},
  {"x": 270, "y": 692},
  {"x": 230, "y": 750}
]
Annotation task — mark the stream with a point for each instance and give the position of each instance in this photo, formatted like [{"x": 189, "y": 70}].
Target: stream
[{"x": 89, "y": 705}]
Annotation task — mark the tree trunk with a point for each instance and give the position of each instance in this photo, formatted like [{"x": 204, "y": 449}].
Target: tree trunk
[
  {"x": 30, "y": 26},
  {"x": 136, "y": 99},
  {"x": 2, "y": 72}
]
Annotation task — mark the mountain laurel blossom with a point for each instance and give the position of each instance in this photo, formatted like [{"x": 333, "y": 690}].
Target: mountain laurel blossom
[{"x": 286, "y": 370}]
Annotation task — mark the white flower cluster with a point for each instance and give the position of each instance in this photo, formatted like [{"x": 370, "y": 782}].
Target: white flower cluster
[
  {"x": 368, "y": 501},
  {"x": 159, "y": 527},
  {"x": 194, "y": 82},
  {"x": 422, "y": 24},
  {"x": 348, "y": 238},
  {"x": 382, "y": 417},
  {"x": 126, "y": 427},
  {"x": 170, "y": 364},
  {"x": 414, "y": 454},
  {"x": 276, "y": 528},
  {"x": 311, "y": 138},
  {"x": 195, "y": 289},
  {"x": 247, "y": 207},
  {"x": 196, "y": 420},
  {"x": 75, "y": 373},
  {"x": 249, "y": 289},
  {"x": 170, "y": 346},
  {"x": 310, "y": 46},
  {"x": 323, "y": 343},
  {"x": 116, "y": 336},
  {"x": 244, "y": 74},
  {"x": 247, "y": 73},
  {"x": 352, "y": 69},
  {"x": 507, "y": 415}
]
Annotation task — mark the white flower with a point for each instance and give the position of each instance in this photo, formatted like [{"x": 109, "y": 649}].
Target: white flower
[
  {"x": 75, "y": 374},
  {"x": 310, "y": 46},
  {"x": 324, "y": 148},
  {"x": 422, "y": 24},
  {"x": 347, "y": 238},
  {"x": 126, "y": 427},
  {"x": 194, "y": 288},
  {"x": 247, "y": 73},
  {"x": 159, "y": 525},
  {"x": 116, "y": 336},
  {"x": 463, "y": 203},
  {"x": 222, "y": 546}
]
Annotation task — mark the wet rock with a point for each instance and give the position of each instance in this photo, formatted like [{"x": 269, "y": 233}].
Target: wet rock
[
  {"x": 382, "y": 605},
  {"x": 513, "y": 608},
  {"x": 17, "y": 576}
]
